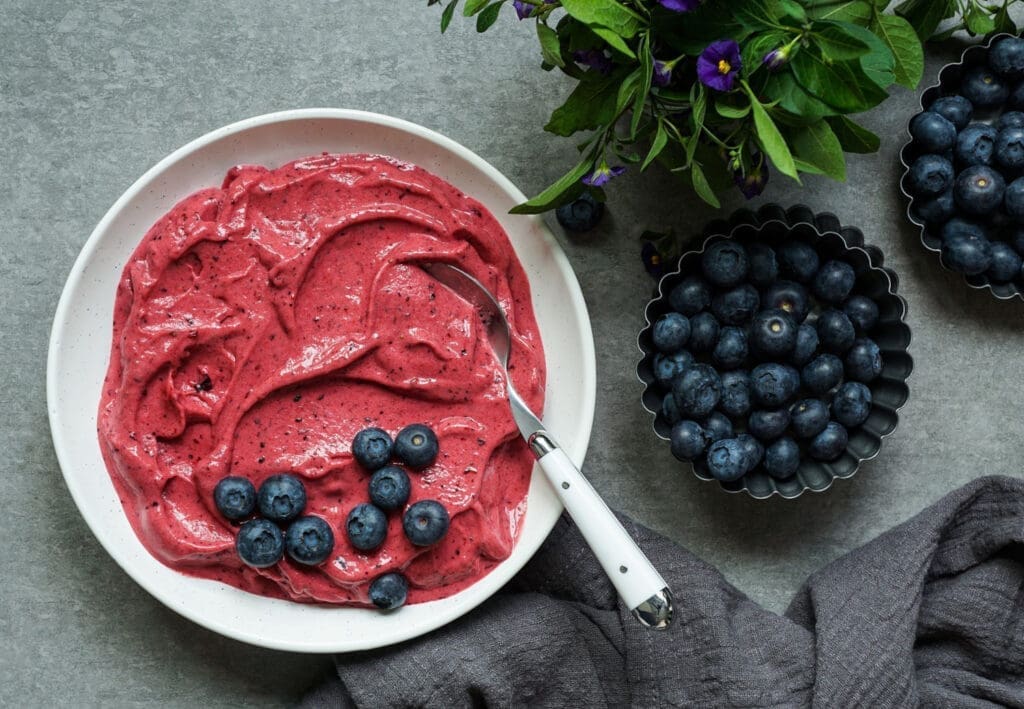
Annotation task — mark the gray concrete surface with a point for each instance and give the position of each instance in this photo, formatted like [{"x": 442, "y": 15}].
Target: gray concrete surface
[{"x": 91, "y": 95}]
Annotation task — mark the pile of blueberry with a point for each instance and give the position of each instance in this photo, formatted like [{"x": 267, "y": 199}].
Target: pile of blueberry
[
  {"x": 764, "y": 359},
  {"x": 967, "y": 173}
]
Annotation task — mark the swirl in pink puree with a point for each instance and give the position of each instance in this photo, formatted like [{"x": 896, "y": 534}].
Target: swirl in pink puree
[{"x": 258, "y": 327}]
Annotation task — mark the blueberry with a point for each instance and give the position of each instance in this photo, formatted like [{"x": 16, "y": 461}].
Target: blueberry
[
  {"x": 716, "y": 427},
  {"x": 773, "y": 334},
  {"x": 1006, "y": 58},
  {"x": 704, "y": 331},
  {"x": 366, "y": 526},
  {"x": 955, "y": 109},
  {"x": 735, "y": 393},
  {"x": 670, "y": 409},
  {"x": 1016, "y": 100},
  {"x": 691, "y": 296},
  {"x": 372, "y": 448},
  {"x": 764, "y": 265},
  {"x": 1010, "y": 119},
  {"x": 281, "y": 498},
  {"x": 932, "y": 133},
  {"x": 725, "y": 263},
  {"x": 979, "y": 189},
  {"x": 668, "y": 367},
  {"x": 736, "y": 306},
  {"x": 851, "y": 405},
  {"x": 1013, "y": 200},
  {"x": 774, "y": 384},
  {"x": 1010, "y": 148},
  {"x": 235, "y": 497},
  {"x": 808, "y": 418},
  {"x": 976, "y": 144},
  {"x": 799, "y": 261},
  {"x": 806, "y": 345},
  {"x": 822, "y": 373},
  {"x": 687, "y": 440},
  {"x": 834, "y": 281},
  {"x": 727, "y": 460},
  {"x": 389, "y": 591},
  {"x": 788, "y": 296},
  {"x": 930, "y": 175},
  {"x": 671, "y": 332},
  {"x": 416, "y": 445},
  {"x": 835, "y": 331},
  {"x": 782, "y": 458},
  {"x": 830, "y": 443},
  {"x": 697, "y": 391},
  {"x": 768, "y": 425},
  {"x": 937, "y": 210},
  {"x": 863, "y": 361},
  {"x": 970, "y": 254},
  {"x": 752, "y": 449},
  {"x": 426, "y": 522},
  {"x": 962, "y": 227},
  {"x": 862, "y": 311},
  {"x": 389, "y": 488},
  {"x": 1005, "y": 265},
  {"x": 983, "y": 88},
  {"x": 731, "y": 350},
  {"x": 309, "y": 540},
  {"x": 259, "y": 543},
  {"x": 582, "y": 214}
]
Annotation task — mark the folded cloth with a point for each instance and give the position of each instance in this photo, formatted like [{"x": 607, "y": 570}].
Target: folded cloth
[{"x": 930, "y": 613}]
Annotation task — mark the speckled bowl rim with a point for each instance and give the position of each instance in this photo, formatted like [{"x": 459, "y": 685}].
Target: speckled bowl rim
[{"x": 794, "y": 216}]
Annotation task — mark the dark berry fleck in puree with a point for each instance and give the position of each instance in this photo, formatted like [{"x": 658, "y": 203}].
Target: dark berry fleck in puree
[{"x": 260, "y": 325}]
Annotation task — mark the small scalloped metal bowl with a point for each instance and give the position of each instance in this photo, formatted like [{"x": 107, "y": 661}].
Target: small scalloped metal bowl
[
  {"x": 949, "y": 76},
  {"x": 774, "y": 225}
]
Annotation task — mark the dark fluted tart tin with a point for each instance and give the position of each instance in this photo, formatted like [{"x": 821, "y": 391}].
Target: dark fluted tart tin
[
  {"x": 948, "y": 85},
  {"x": 773, "y": 224}
]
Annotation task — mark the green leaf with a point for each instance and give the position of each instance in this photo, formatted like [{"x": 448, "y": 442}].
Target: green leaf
[
  {"x": 857, "y": 12},
  {"x": 614, "y": 40},
  {"x": 644, "y": 87},
  {"x": 793, "y": 98},
  {"x": 754, "y": 51},
  {"x": 657, "y": 145},
  {"x": 771, "y": 139},
  {"x": 488, "y": 17},
  {"x": 550, "y": 48},
  {"x": 837, "y": 44},
  {"x": 1003, "y": 21},
  {"x": 591, "y": 104},
  {"x": 757, "y": 15},
  {"x": 605, "y": 13},
  {"x": 879, "y": 63},
  {"x": 841, "y": 85},
  {"x": 567, "y": 187},
  {"x": 925, "y": 16},
  {"x": 853, "y": 137},
  {"x": 977, "y": 20},
  {"x": 702, "y": 187},
  {"x": 793, "y": 9},
  {"x": 473, "y": 6},
  {"x": 817, "y": 145},
  {"x": 446, "y": 15},
  {"x": 628, "y": 89},
  {"x": 726, "y": 110},
  {"x": 906, "y": 48}
]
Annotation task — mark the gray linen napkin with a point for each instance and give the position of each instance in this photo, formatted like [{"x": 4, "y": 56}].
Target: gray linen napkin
[{"x": 930, "y": 613}]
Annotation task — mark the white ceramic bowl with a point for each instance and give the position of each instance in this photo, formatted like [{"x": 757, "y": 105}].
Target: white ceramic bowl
[{"x": 80, "y": 344}]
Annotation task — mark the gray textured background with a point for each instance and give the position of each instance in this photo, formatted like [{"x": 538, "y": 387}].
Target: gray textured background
[{"x": 90, "y": 97}]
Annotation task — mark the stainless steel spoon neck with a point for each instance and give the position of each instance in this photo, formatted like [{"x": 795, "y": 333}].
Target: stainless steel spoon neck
[{"x": 656, "y": 611}]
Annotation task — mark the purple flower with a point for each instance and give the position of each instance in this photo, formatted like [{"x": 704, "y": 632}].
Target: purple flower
[
  {"x": 595, "y": 59},
  {"x": 523, "y": 9},
  {"x": 752, "y": 183},
  {"x": 680, "y": 5},
  {"x": 662, "y": 73},
  {"x": 719, "y": 65},
  {"x": 602, "y": 174},
  {"x": 654, "y": 264},
  {"x": 776, "y": 59}
]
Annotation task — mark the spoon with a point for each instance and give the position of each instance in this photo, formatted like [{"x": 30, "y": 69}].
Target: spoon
[{"x": 638, "y": 583}]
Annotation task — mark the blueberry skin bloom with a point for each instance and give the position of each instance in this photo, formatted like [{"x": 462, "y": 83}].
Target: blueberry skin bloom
[
  {"x": 753, "y": 450},
  {"x": 1013, "y": 200},
  {"x": 389, "y": 591},
  {"x": 769, "y": 425},
  {"x": 372, "y": 448},
  {"x": 979, "y": 189},
  {"x": 937, "y": 210},
  {"x": 983, "y": 88},
  {"x": 366, "y": 526},
  {"x": 822, "y": 373},
  {"x": 670, "y": 409},
  {"x": 862, "y": 311},
  {"x": 736, "y": 306},
  {"x": 281, "y": 498},
  {"x": 830, "y": 443},
  {"x": 725, "y": 263},
  {"x": 835, "y": 331},
  {"x": 1006, "y": 58},
  {"x": 727, "y": 460},
  {"x": 930, "y": 175},
  {"x": 774, "y": 384},
  {"x": 932, "y": 133},
  {"x": 582, "y": 214},
  {"x": 735, "y": 393},
  {"x": 1009, "y": 151},
  {"x": 426, "y": 522},
  {"x": 1005, "y": 264},
  {"x": 668, "y": 367},
  {"x": 808, "y": 418},
  {"x": 773, "y": 334},
  {"x": 697, "y": 391},
  {"x": 731, "y": 350},
  {"x": 390, "y": 488},
  {"x": 800, "y": 261},
  {"x": 834, "y": 281},
  {"x": 416, "y": 446},
  {"x": 687, "y": 441},
  {"x": 1016, "y": 100},
  {"x": 863, "y": 361},
  {"x": 716, "y": 427},
  {"x": 704, "y": 330},
  {"x": 788, "y": 296},
  {"x": 309, "y": 540},
  {"x": 851, "y": 405},
  {"x": 259, "y": 543},
  {"x": 976, "y": 145},
  {"x": 764, "y": 265},
  {"x": 806, "y": 345},
  {"x": 1010, "y": 119},
  {"x": 235, "y": 497},
  {"x": 955, "y": 109},
  {"x": 690, "y": 297},
  {"x": 671, "y": 332},
  {"x": 782, "y": 458},
  {"x": 969, "y": 254}
]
